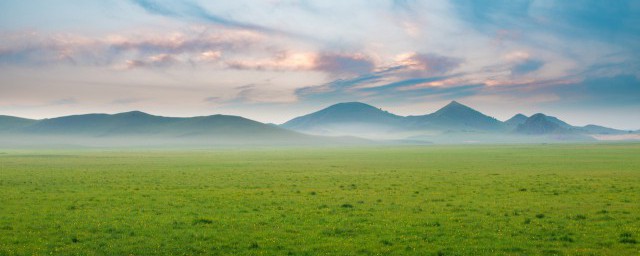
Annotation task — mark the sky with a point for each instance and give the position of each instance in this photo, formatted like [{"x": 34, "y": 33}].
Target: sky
[{"x": 273, "y": 60}]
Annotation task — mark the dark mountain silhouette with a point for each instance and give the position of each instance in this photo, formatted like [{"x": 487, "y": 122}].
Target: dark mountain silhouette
[{"x": 456, "y": 116}]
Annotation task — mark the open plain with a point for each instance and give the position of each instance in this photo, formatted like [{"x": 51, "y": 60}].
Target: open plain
[{"x": 571, "y": 199}]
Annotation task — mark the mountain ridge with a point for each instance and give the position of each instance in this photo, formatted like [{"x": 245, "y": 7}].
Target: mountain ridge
[
  {"x": 453, "y": 118},
  {"x": 455, "y": 121},
  {"x": 139, "y": 128}
]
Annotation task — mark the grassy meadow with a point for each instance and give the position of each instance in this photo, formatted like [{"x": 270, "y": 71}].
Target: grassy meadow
[{"x": 422, "y": 200}]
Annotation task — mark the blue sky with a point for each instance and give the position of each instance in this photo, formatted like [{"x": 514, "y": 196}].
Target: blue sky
[{"x": 273, "y": 60}]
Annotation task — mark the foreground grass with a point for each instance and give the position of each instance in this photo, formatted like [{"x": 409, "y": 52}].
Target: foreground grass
[{"x": 440, "y": 200}]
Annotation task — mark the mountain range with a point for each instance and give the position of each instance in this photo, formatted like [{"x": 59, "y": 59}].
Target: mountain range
[
  {"x": 141, "y": 129},
  {"x": 342, "y": 123},
  {"x": 340, "y": 119}
]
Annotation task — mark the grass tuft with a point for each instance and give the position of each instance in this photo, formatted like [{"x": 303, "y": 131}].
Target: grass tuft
[
  {"x": 202, "y": 221},
  {"x": 627, "y": 238}
]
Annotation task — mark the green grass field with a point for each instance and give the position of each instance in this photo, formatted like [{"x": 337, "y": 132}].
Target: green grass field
[{"x": 432, "y": 200}]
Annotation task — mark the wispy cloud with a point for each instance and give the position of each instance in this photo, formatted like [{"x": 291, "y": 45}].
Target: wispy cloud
[
  {"x": 335, "y": 64},
  {"x": 411, "y": 76},
  {"x": 402, "y": 52},
  {"x": 160, "y": 60},
  {"x": 189, "y": 10},
  {"x": 281, "y": 61},
  {"x": 344, "y": 64},
  {"x": 125, "y": 50},
  {"x": 427, "y": 64}
]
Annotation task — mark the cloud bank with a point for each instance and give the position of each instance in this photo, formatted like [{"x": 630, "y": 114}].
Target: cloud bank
[{"x": 291, "y": 56}]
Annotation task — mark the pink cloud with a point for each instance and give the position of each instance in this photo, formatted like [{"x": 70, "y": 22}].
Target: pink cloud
[
  {"x": 427, "y": 64},
  {"x": 283, "y": 61},
  {"x": 344, "y": 64},
  {"x": 147, "y": 49},
  {"x": 335, "y": 64}
]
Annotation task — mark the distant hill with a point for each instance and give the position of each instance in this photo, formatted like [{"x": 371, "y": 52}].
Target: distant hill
[
  {"x": 139, "y": 123},
  {"x": 9, "y": 123},
  {"x": 539, "y": 124},
  {"x": 542, "y": 124},
  {"x": 453, "y": 123},
  {"x": 102, "y": 124},
  {"x": 138, "y": 128},
  {"x": 456, "y": 116},
  {"x": 354, "y": 118},
  {"x": 596, "y": 129},
  {"x": 339, "y": 124},
  {"x": 516, "y": 120}
]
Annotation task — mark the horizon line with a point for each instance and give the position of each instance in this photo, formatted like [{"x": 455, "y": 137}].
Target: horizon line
[{"x": 346, "y": 102}]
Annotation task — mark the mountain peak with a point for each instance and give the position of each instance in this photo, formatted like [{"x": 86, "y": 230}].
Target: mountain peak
[
  {"x": 516, "y": 120},
  {"x": 538, "y": 116},
  {"x": 353, "y": 104},
  {"x": 457, "y": 116},
  {"x": 539, "y": 124},
  {"x": 352, "y": 108},
  {"x": 455, "y": 108},
  {"x": 455, "y": 103},
  {"x": 132, "y": 113},
  {"x": 346, "y": 112}
]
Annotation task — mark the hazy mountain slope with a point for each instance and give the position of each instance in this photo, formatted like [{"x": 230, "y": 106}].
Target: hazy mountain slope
[
  {"x": 8, "y": 123},
  {"x": 138, "y": 128},
  {"x": 356, "y": 118},
  {"x": 539, "y": 124},
  {"x": 543, "y": 124},
  {"x": 229, "y": 126},
  {"x": 596, "y": 129},
  {"x": 516, "y": 120},
  {"x": 350, "y": 112},
  {"x": 454, "y": 123},
  {"x": 559, "y": 122},
  {"x": 101, "y": 124},
  {"x": 351, "y": 118},
  {"x": 456, "y": 116},
  {"x": 143, "y": 124}
]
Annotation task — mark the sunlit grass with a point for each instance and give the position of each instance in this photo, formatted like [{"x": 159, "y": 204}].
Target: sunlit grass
[{"x": 447, "y": 200}]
